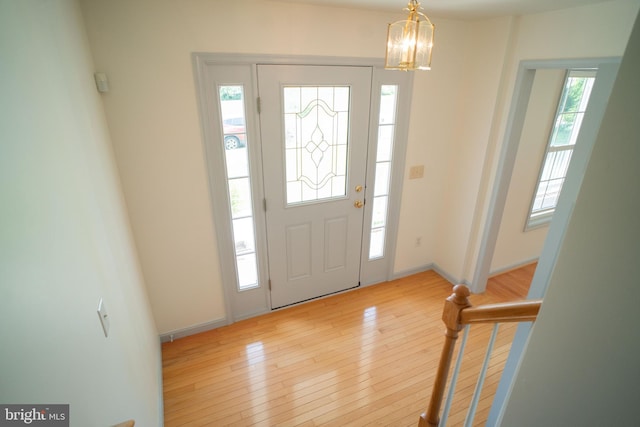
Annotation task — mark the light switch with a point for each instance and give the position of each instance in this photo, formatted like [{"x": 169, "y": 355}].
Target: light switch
[
  {"x": 416, "y": 172},
  {"x": 104, "y": 318}
]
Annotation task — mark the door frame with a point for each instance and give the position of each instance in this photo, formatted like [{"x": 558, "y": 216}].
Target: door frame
[
  {"x": 204, "y": 66},
  {"x": 607, "y": 71},
  {"x": 515, "y": 122}
]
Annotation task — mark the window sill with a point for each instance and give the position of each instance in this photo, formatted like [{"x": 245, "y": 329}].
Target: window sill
[{"x": 538, "y": 221}]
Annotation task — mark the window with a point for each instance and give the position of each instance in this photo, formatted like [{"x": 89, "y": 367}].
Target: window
[
  {"x": 386, "y": 132},
  {"x": 316, "y": 124},
  {"x": 232, "y": 108},
  {"x": 568, "y": 119}
]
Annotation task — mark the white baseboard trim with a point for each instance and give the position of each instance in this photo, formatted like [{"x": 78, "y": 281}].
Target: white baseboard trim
[
  {"x": 435, "y": 267},
  {"x": 515, "y": 266},
  {"x": 250, "y": 315},
  {"x": 405, "y": 273},
  {"x": 192, "y": 330},
  {"x": 196, "y": 329},
  {"x": 450, "y": 278},
  {"x": 454, "y": 281}
]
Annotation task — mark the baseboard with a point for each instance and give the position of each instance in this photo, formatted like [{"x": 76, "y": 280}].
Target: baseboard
[
  {"x": 457, "y": 281},
  {"x": 512, "y": 267},
  {"x": 196, "y": 329},
  {"x": 192, "y": 330},
  {"x": 435, "y": 267},
  {"x": 252, "y": 314},
  {"x": 412, "y": 271},
  {"x": 450, "y": 278}
]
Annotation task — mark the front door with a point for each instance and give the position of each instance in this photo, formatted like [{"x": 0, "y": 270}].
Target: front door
[{"x": 314, "y": 124}]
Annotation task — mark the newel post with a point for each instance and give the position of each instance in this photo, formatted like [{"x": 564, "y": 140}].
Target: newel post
[{"x": 453, "y": 305}]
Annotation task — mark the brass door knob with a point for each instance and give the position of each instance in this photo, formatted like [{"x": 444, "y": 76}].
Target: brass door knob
[
  {"x": 358, "y": 204},
  {"x": 358, "y": 188}
]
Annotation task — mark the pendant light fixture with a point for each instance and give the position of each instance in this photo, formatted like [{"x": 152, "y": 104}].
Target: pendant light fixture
[{"x": 409, "y": 42}]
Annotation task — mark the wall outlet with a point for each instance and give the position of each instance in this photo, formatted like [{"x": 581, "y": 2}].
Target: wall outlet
[
  {"x": 416, "y": 172},
  {"x": 104, "y": 318},
  {"x": 102, "y": 83}
]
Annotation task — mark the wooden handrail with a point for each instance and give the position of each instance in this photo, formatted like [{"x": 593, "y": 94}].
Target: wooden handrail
[
  {"x": 520, "y": 311},
  {"x": 457, "y": 313}
]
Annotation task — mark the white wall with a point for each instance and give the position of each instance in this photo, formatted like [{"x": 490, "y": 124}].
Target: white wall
[
  {"x": 581, "y": 363},
  {"x": 444, "y": 99},
  {"x": 153, "y": 118},
  {"x": 145, "y": 47},
  {"x": 515, "y": 245},
  {"x": 599, "y": 30},
  {"x": 476, "y": 91},
  {"x": 64, "y": 234}
]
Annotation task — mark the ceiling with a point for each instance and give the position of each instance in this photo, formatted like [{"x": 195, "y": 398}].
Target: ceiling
[{"x": 459, "y": 9}]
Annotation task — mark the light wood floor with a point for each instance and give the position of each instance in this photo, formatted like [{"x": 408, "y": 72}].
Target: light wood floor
[{"x": 365, "y": 357}]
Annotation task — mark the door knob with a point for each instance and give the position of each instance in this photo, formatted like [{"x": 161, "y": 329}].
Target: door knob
[
  {"x": 358, "y": 188},
  {"x": 358, "y": 204}
]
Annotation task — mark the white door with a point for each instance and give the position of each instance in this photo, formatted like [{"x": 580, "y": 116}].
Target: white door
[{"x": 314, "y": 124}]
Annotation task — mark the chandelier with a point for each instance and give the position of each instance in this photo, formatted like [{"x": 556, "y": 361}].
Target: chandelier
[{"x": 409, "y": 42}]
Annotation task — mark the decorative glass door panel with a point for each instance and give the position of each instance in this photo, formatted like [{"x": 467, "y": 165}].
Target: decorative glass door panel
[
  {"x": 314, "y": 126},
  {"x": 316, "y": 129}
]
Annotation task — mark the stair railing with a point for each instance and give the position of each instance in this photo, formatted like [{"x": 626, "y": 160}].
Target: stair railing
[{"x": 458, "y": 313}]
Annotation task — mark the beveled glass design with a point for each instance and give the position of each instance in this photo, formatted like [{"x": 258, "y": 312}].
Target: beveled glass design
[{"x": 316, "y": 142}]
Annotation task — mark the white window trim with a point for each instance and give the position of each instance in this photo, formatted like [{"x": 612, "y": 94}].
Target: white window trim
[{"x": 543, "y": 218}]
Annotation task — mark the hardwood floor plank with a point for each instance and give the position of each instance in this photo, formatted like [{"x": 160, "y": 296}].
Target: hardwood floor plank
[{"x": 363, "y": 357}]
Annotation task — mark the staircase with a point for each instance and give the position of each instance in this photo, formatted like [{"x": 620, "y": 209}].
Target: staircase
[{"x": 459, "y": 314}]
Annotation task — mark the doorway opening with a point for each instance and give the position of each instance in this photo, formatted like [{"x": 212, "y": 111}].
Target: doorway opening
[
  {"x": 605, "y": 77},
  {"x": 517, "y": 120}
]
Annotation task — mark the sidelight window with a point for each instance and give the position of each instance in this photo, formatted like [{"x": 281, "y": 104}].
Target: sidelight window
[
  {"x": 232, "y": 110},
  {"x": 386, "y": 134}
]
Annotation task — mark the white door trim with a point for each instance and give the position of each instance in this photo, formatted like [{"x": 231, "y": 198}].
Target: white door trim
[
  {"x": 204, "y": 65},
  {"x": 607, "y": 71},
  {"x": 515, "y": 122}
]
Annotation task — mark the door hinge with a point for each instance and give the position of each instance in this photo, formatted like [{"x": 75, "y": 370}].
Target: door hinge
[
  {"x": 269, "y": 283},
  {"x": 258, "y": 105},
  {"x": 264, "y": 204}
]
